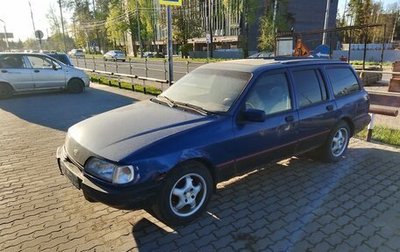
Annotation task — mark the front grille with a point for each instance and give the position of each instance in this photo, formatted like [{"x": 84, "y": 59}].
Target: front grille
[{"x": 76, "y": 153}]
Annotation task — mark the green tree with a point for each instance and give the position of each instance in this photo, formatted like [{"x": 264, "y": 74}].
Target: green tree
[
  {"x": 360, "y": 14},
  {"x": 56, "y": 42},
  {"x": 269, "y": 26},
  {"x": 116, "y": 23},
  {"x": 247, "y": 10},
  {"x": 186, "y": 25},
  {"x": 84, "y": 22}
]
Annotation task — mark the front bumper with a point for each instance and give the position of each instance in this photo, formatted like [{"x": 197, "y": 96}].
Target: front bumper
[{"x": 121, "y": 197}]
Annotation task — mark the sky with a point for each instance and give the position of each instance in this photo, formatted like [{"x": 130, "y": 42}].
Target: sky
[{"x": 17, "y": 16}]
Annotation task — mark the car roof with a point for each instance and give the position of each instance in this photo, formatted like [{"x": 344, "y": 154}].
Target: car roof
[
  {"x": 253, "y": 65},
  {"x": 23, "y": 53},
  {"x": 56, "y": 53}
]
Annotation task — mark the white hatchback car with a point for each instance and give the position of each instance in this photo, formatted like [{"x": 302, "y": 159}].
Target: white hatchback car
[
  {"x": 27, "y": 72},
  {"x": 77, "y": 53},
  {"x": 115, "y": 55}
]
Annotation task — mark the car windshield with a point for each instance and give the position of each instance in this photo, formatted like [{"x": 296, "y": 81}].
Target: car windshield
[{"x": 209, "y": 89}]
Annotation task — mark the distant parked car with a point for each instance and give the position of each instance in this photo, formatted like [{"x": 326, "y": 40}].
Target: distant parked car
[
  {"x": 262, "y": 55},
  {"x": 78, "y": 53},
  {"x": 115, "y": 55},
  {"x": 147, "y": 55},
  {"x": 28, "y": 72},
  {"x": 61, "y": 57},
  {"x": 223, "y": 119},
  {"x": 159, "y": 55}
]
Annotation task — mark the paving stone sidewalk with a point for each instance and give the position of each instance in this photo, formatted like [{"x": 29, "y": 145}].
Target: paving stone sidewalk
[{"x": 297, "y": 204}]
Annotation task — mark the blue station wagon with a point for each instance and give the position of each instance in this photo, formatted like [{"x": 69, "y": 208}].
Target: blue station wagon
[{"x": 223, "y": 119}]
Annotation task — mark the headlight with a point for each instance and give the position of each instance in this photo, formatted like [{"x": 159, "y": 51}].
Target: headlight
[{"x": 109, "y": 171}]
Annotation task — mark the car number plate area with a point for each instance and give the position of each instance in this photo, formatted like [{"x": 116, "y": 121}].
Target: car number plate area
[{"x": 71, "y": 176}]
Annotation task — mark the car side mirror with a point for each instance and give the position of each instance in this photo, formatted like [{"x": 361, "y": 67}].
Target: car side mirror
[
  {"x": 55, "y": 67},
  {"x": 254, "y": 115}
]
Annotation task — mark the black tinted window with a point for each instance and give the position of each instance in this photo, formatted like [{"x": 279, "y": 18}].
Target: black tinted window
[
  {"x": 61, "y": 57},
  {"x": 343, "y": 81},
  {"x": 270, "y": 93},
  {"x": 309, "y": 87}
]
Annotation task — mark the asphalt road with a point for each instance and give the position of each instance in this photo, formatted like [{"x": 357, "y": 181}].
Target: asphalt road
[{"x": 155, "y": 68}]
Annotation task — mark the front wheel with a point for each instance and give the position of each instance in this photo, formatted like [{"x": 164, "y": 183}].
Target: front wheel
[
  {"x": 5, "y": 91},
  {"x": 185, "y": 194},
  {"x": 336, "y": 143},
  {"x": 75, "y": 86}
]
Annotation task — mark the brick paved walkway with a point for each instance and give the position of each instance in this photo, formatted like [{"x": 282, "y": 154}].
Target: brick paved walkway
[{"x": 294, "y": 205}]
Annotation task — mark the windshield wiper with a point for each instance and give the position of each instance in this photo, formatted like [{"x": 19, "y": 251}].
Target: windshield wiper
[
  {"x": 167, "y": 100},
  {"x": 192, "y": 107},
  {"x": 195, "y": 108}
]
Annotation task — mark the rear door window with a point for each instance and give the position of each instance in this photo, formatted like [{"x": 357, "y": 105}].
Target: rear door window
[
  {"x": 11, "y": 61},
  {"x": 343, "y": 81},
  {"x": 309, "y": 86}
]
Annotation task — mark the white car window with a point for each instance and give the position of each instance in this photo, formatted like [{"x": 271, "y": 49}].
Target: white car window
[{"x": 40, "y": 62}]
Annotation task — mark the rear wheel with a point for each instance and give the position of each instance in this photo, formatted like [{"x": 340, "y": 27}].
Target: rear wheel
[
  {"x": 185, "y": 194},
  {"x": 75, "y": 86},
  {"x": 6, "y": 91},
  {"x": 336, "y": 143}
]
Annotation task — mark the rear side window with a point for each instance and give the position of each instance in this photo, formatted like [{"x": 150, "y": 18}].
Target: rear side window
[
  {"x": 343, "y": 81},
  {"x": 309, "y": 87},
  {"x": 11, "y": 61}
]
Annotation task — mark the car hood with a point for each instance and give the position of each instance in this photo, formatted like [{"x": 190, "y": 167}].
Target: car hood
[{"x": 116, "y": 134}]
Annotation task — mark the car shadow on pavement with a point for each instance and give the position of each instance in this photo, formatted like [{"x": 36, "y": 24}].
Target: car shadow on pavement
[
  {"x": 297, "y": 204},
  {"x": 60, "y": 110}
]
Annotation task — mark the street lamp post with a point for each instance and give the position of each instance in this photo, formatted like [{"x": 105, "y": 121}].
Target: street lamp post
[{"x": 5, "y": 33}]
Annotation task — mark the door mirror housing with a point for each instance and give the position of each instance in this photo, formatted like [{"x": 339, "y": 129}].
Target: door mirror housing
[
  {"x": 55, "y": 66},
  {"x": 254, "y": 115}
]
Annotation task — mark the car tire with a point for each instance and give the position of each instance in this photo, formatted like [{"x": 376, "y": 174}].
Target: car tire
[
  {"x": 6, "y": 91},
  {"x": 123, "y": 60},
  {"x": 185, "y": 194},
  {"x": 75, "y": 86},
  {"x": 337, "y": 143}
]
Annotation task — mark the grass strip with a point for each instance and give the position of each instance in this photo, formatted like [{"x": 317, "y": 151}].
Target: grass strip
[
  {"x": 382, "y": 134},
  {"x": 124, "y": 85}
]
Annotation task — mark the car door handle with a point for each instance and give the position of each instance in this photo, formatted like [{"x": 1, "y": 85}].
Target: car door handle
[
  {"x": 329, "y": 107},
  {"x": 289, "y": 118},
  {"x": 36, "y": 71},
  {"x": 4, "y": 71}
]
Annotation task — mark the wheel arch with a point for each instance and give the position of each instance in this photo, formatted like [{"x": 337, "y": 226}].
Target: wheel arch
[
  {"x": 75, "y": 78},
  {"x": 210, "y": 167},
  {"x": 8, "y": 84},
  {"x": 350, "y": 123}
]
